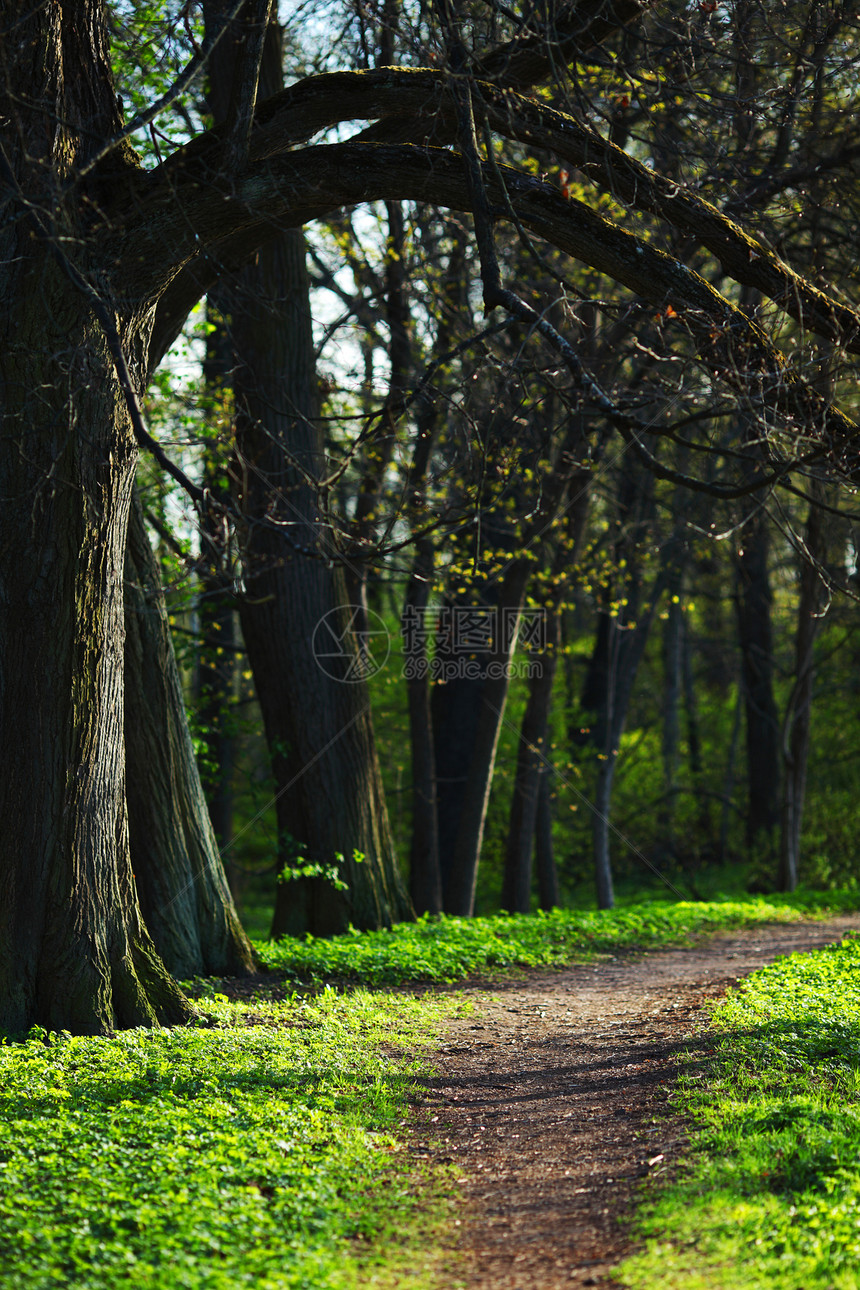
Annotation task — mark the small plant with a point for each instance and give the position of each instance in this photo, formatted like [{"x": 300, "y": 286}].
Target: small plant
[{"x": 299, "y": 867}]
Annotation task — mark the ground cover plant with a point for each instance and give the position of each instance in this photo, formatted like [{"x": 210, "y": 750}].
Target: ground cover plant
[
  {"x": 449, "y": 949},
  {"x": 257, "y": 1148},
  {"x": 263, "y": 1145},
  {"x": 770, "y": 1197}
]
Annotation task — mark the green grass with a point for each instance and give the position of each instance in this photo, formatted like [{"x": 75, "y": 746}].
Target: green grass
[
  {"x": 262, "y": 1149},
  {"x": 450, "y": 949},
  {"x": 264, "y": 1146},
  {"x": 769, "y": 1198}
]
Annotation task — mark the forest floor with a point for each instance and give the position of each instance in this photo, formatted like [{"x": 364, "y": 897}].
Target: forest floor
[{"x": 553, "y": 1101}]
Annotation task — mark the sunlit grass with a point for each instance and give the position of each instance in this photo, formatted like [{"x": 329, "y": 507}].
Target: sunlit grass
[
  {"x": 262, "y": 1149},
  {"x": 770, "y": 1197},
  {"x": 450, "y": 949}
]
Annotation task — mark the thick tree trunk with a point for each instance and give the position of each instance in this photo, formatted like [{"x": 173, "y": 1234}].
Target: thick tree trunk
[
  {"x": 530, "y": 772},
  {"x": 455, "y": 708},
  {"x": 74, "y": 953},
  {"x": 331, "y": 807},
  {"x": 180, "y": 881},
  {"x": 332, "y": 818}
]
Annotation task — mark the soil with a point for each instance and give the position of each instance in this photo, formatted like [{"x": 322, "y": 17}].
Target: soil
[{"x": 553, "y": 1101}]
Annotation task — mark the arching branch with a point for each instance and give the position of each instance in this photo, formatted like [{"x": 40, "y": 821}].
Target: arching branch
[
  {"x": 412, "y": 104},
  {"x": 305, "y": 184}
]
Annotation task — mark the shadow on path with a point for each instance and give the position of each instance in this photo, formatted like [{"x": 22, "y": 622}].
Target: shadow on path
[{"x": 553, "y": 1101}]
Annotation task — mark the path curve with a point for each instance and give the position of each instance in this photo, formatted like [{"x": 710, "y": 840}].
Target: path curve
[{"x": 552, "y": 1100}]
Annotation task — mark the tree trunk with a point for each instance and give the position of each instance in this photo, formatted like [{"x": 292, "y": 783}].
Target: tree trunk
[
  {"x": 455, "y": 708},
  {"x": 74, "y": 952},
  {"x": 618, "y": 653},
  {"x": 530, "y": 772},
  {"x": 180, "y": 880},
  {"x": 601, "y": 814},
  {"x": 565, "y": 474},
  {"x": 331, "y": 807},
  {"x": 547, "y": 874},
  {"x": 333, "y": 832},
  {"x": 425, "y": 879},
  {"x": 762, "y": 721},
  {"x": 460, "y": 889},
  {"x": 694, "y": 743},
  {"x": 673, "y": 628},
  {"x": 797, "y": 725},
  {"x": 729, "y": 777}
]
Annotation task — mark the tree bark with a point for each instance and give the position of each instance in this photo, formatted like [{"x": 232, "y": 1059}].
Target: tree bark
[
  {"x": 798, "y": 717},
  {"x": 180, "y": 880},
  {"x": 331, "y": 811},
  {"x": 530, "y": 773},
  {"x": 462, "y": 877},
  {"x": 547, "y": 874},
  {"x": 425, "y": 878},
  {"x": 618, "y": 653},
  {"x": 755, "y": 635},
  {"x": 331, "y": 806},
  {"x": 672, "y": 643},
  {"x": 74, "y": 952}
]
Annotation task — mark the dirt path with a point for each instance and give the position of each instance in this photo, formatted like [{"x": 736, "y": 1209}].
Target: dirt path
[{"x": 553, "y": 1097}]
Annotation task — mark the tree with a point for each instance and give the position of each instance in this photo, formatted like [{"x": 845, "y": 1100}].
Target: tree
[
  {"x": 100, "y": 262},
  {"x": 174, "y": 854},
  {"x": 336, "y": 855}
]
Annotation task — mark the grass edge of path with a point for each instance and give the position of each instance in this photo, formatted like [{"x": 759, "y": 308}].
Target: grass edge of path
[
  {"x": 767, "y": 1196},
  {"x": 264, "y": 1147},
  {"x": 447, "y": 949}
]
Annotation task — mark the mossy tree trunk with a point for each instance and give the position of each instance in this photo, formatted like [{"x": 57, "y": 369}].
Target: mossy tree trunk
[
  {"x": 174, "y": 853},
  {"x": 74, "y": 952}
]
